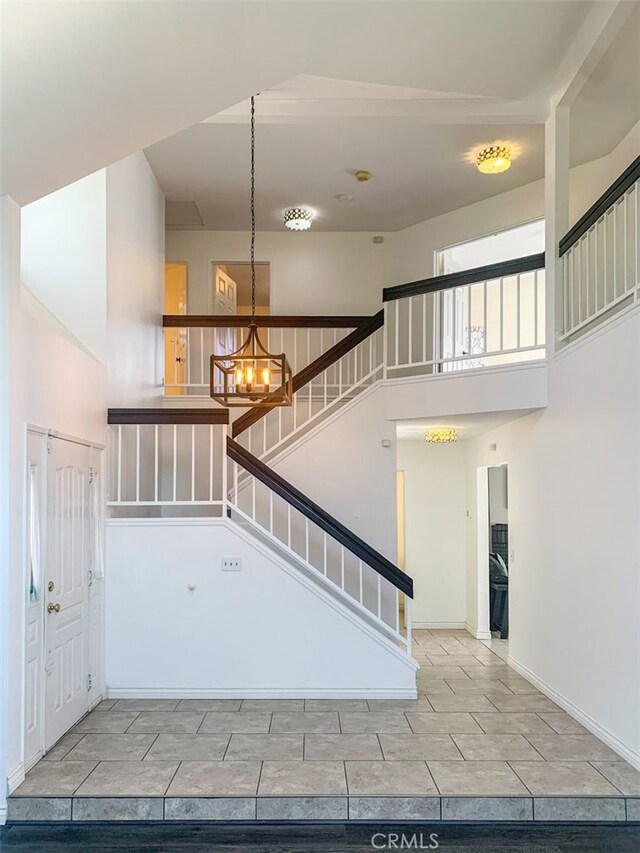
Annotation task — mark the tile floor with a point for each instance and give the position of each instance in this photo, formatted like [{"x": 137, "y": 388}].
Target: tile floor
[{"x": 480, "y": 743}]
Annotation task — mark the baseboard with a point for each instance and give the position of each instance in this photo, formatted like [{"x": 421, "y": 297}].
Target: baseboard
[
  {"x": 427, "y": 625},
  {"x": 261, "y": 693},
  {"x": 16, "y": 778},
  {"x": 584, "y": 719}
]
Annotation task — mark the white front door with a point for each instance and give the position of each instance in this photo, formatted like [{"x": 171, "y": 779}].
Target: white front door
[{"x": 66, "y": 587}]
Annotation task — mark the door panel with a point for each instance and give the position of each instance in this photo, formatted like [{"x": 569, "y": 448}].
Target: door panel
[
  {"x": 67, "y": 562},
  {"x": 225, "y": 299}
]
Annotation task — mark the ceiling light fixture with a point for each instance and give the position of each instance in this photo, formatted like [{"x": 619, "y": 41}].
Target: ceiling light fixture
[
  {"x": 494, "y": 159},
  {"x": 298, "y": 219},
  {"x": 441, "y": 435},
  {"x": 363, "y": 176},
  {"x": 251, "y": 376}
]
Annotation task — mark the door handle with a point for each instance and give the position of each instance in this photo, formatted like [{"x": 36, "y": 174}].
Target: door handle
[{"x": 53, "y": 608}]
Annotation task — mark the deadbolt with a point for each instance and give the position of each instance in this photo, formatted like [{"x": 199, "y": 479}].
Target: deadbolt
[
  {"x": 53, "y": 608},
  {"x": 51, "y": 586}
]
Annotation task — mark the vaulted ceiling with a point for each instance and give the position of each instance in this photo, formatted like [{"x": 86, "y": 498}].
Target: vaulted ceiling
[{"x": 85, "y": 84}]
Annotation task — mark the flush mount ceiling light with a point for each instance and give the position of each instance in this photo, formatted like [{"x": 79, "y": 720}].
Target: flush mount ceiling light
[
  {"x": 494, "y": 159},
  {"x": 298, "y": 218},
  {"x": 441, "y": 435},
  {"x": 251, "y": 376}
]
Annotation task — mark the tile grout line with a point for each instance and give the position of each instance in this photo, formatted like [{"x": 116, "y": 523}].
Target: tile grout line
[
  {"x": 591, "y": 764},
  {"x": 226, "y": 749},
  {"x": 132, "y": 722},
  {"x": 258, "y": 785},
  {"x": 534, "y": 747},
  {"x": 173, "y": 776},
  {"x": 150, "y": 746}
]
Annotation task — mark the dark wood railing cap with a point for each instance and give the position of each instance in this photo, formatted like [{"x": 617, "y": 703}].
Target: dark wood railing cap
[
  {"x": 608, "y": 198},
  {"x": 385, "y": 568},
  {"x": 464, "y": 277},
  {"x": 263, "y": 321},
  {"x": 168, "y": 416}
]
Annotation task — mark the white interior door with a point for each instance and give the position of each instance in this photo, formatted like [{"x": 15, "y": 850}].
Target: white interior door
[
  {"x": 225, "y": 301},
  {"x": 66, "y": 587}
]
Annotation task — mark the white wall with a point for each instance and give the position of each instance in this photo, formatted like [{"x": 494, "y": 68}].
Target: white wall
[
  {"x": 311, "y": 273},
  {"x": 262, "y": 631},
  {"x": 574, "y": 586},
  {"x": 343, "y": 461},
  {"x": 63, "y": 253},
  {"x": 498, "y": 491},
  {"x": 435, "y": 531},
  {"x": 135, "y": 276}
]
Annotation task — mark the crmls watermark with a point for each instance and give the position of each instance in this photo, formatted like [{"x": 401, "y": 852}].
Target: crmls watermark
[{"x": 402, "y": 841}]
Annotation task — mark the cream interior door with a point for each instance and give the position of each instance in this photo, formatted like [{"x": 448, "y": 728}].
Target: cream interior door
[
  {"x": 225, "y": 301},
  {"x": 175, "y": 302},
  {"x": 66, "y": 587}
]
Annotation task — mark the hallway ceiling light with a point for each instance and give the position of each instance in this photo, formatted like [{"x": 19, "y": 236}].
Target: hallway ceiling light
[
  {"x": 298, "y": 219},
  {"x": 494, "y": 159},
  {"x": 251, "y": 376},
  {"x": 441, "y": 435}
]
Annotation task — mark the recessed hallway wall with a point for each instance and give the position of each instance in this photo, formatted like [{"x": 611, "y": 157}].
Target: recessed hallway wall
[{"x": 435, "y": 531}]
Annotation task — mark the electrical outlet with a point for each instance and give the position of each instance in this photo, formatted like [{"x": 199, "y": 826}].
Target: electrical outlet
[{"x": 231, "y": 564}]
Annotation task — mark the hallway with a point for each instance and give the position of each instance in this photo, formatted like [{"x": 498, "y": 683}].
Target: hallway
[{"x": 480, "y": 743}]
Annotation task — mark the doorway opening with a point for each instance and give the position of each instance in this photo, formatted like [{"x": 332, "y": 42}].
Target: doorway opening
[
  {"x": 494, "y": 555},
  {"x": 175, "y": 340},
  {"x": 231, "y": 288}
]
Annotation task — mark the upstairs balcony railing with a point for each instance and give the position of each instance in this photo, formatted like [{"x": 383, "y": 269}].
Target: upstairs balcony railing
[
  {"x": 191, "y": 339},
  {"x": 600, "y": 264},
  {"x": 476, "y": 318}
]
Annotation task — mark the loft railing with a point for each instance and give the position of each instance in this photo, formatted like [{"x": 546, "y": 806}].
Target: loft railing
[
  {"x": 481, "y": 317},
  {"x": 324, "y": 548},
  {"x": 160, "y": 458},
  {"x": 337, "y": 376},
  {"x": 599, "y": 256},
  {"x": 191, "y": 339}
]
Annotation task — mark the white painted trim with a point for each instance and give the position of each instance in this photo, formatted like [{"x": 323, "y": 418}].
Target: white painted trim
[
  {"x": 63, "y": 436},
  {"x": 584, "y": 719},
  {"x": 479, "y": 635},
  {"x": 260, "y": 693},
  {"x": 457, "y": 374},
  {"x": 16, "y": 778},
  {"x": 426, "y": 625},
  {"x": 158, "y": 521}
]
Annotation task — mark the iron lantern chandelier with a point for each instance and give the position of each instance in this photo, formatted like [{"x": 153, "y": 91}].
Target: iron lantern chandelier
[{"x": 251, "y": 375}]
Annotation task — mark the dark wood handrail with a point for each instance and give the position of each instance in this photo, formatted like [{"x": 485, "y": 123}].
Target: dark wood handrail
[
  {"x": 608, "y": 198},
  {"x": 271, "y": 321},
  {"x": 459, "y": 279},
  {"x": 168, "y": 416},
  {"x": 315, "y": 368},
  {"x": 318, "y": 516}
]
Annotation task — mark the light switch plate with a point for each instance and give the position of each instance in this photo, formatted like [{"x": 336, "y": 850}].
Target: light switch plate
[{"x": 231, "y": 564}]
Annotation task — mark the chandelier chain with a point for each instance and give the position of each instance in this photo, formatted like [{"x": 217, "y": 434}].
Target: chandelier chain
[{"x": 253, "y": 209}]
